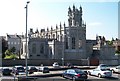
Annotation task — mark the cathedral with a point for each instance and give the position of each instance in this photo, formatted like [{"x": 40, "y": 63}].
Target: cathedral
[
  {"x": 68, "y": 42},
  {"x": 63, "y": 41}
]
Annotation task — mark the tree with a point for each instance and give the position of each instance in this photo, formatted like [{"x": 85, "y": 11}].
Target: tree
[
  {"x": 4, "y": 47},
  {"x": 13, "y": 49},
  {"x": 7, "y": 52},
  {"x": 117, "y": 52},
  {"x": 12, "y": 56},
  {"x": 110, "y": 42}
]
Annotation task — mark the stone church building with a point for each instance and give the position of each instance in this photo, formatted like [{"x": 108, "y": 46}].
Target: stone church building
[{"x": 63, "y": 42}]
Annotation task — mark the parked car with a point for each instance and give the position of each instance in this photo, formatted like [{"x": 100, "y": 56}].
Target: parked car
[
  {"x": 6, "y": 71},
  {"x": 75, "y": 74},
  {"x": 44, "y": 69},
  {"x": 18, "y": 70},
  {"x": 104, "y": 66},
  {"x": 100, "y": 72},
  {"x": 56, "y": 65},
  {"x": 32, "y": 69},
  {"x": 69, "y": 65},
  {"x": 115, "y": 69}
]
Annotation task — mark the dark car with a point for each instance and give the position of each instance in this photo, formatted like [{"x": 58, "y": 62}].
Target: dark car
[
  {"x": 32, "y": 69},
  {"x": 18, "y": 70},
  {"x": 44, "y": 69},
  {"x": 69, "y": 65},
  {"x": 75, "y": 74},
  {"x": 6, "y": 71}
]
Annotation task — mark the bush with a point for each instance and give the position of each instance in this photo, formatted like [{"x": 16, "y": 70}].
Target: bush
[{"x": 12, "y": 56}]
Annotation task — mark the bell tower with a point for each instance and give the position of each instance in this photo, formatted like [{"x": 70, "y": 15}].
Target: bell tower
[
  {"x": 75, "y": 16},
  {"x": 75, "y": 34}
]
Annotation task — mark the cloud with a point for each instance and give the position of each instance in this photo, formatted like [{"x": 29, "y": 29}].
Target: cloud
[{"x": 95, "y": 24}]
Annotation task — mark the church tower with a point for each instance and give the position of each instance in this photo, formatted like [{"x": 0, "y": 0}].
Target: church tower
[
  {"x": 75, "y": 34},
  {"x": 75, "y": 16}
]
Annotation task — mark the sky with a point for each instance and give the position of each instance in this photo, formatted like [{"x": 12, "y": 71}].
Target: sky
[{"x": 101, "y": 16}]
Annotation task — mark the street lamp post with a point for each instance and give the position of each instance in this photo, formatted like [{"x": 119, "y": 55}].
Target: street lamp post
[{"x": 26, "y": 38}]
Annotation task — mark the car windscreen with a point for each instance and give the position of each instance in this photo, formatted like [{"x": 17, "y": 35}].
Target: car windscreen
[
  {"x": 79, "y": 71},
  {"x": 20, "y": 68},
  {"x": 6, "y": 70},
  {"x": 46, "y": 68},
  {"x": 33, "y": 68},
  {"x": 104, "y": 69},
  {"x": 104, "y": 66}
]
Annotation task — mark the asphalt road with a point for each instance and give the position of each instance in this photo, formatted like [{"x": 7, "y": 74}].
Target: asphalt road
[{"x": 115, "y": 77}]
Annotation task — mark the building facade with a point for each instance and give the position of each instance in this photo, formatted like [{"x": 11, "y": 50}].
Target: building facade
[
  {"x": 116, "y": 44},
  {"x": 15, "y": 41},
  {"x": 68, "y": 42}
]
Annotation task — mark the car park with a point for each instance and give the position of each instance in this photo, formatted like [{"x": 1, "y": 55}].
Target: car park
[
  {"x": 44, "y": 69},
  {"x": 100, "y": 72},
  {"x": 75, "y": 74},
  {"x": 115, "y": 69},
  {"x": 18, "y": 70}
]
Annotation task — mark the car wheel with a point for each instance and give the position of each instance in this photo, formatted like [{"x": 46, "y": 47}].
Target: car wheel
[
  {"x": 74, "y": 79},
  {"x": 89, "y": 73},
  {"x": 63, "y": 76},
  {"x": 99, "y": 75},
  {"x": 30, "y": 72},
  {"x": 112, "y": 71}
]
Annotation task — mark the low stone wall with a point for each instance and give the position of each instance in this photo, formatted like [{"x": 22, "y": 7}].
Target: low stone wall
[
  {"x": 46, "y": 62},
  {"x": 110, "y": 62},
  {"x": 49, "y": 62}
]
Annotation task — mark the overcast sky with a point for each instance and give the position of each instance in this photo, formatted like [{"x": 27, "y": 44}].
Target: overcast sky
[{"x": 101, "y": 16}]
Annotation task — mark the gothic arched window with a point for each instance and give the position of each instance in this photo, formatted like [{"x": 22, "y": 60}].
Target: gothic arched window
[
  {"x": 58, "y": 37},
  {"x": 34, "y": 48},
  {"x": 66, "y": 43},
  {"x": 53, "y": 36},
  {"x": 73, "y": 42},
  {"x": 80, "y": 44},
  {"x": 42, "y": 48}
]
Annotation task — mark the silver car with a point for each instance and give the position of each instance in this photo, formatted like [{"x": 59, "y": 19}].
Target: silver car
[
  {"x": 100, "y": 72},
  {"x": 104, "y": 66},
  {"x": 115, "y": 69},
  {"x": 56, "y": 65}
]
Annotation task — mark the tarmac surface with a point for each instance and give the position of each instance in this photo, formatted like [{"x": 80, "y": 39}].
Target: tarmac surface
[{"x": 55, "y": 75}]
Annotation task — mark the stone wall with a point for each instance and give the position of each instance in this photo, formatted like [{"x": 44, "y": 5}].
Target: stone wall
[
  {"x": 46, "y": 62},
  {"x": 111, "y": 62},
  {"x": 49, "y": 62}
]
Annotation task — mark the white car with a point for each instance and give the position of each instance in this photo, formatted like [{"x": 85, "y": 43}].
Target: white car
[
  {"x": 115, "y": 69},
  {"x": 100, "y": 72},
  {"x": 56, "y": 65},
  {"x": 103, "y": 66}
]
